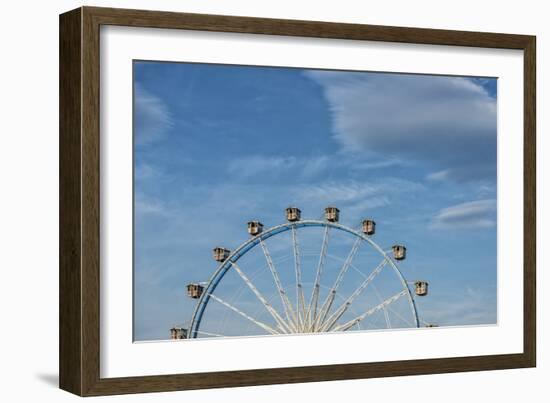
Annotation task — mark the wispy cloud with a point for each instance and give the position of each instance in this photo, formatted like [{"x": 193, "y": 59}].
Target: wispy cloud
[
  {"x": 306, "y": 167},
  {"x": 258, "y": 165},
  {"x": 474, "y": 214},
  {"x": 466, "y": 306},
  {"x": 152, "y": 118},
  {"x": 315, "y": 166},
  {"x": 344, "y": 191},
  {"x": 441, "y": 120},
  {"x": 148, "y": 205},
  {"x": 379, "y": 163},
  {"x": 438, "y": 176},
  {"x": 354, "y": 198},
  {"x": 469, "y": 172},
  {"x": 146, "y": 171},
  {"x": 246, "y": 167}
]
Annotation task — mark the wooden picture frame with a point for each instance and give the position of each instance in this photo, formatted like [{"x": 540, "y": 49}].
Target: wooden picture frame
[{"x": 80, "y": 199}]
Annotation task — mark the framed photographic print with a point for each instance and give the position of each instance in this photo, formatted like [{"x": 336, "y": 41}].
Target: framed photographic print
[{"x": 249, "y": 201}]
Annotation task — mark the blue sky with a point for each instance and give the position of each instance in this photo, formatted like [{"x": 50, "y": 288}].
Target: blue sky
[{"x": 216, "y": 146}]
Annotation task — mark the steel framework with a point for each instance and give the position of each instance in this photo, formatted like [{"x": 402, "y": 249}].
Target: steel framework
[{"x": 302, "y": 317}]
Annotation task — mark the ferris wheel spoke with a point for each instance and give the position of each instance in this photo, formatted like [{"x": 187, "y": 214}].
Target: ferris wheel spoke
[
  {"x": 386, "y": 315},
  {"x": 300, "y": 299},
  {"x": 210, "y": 334},
  {"x": 371, "y": 311},
  {"x": 289, "y": 310},
  {"x": 284, "y": 326},
  {"x": 393, "y": 311},
  {"x": 331, "y": 321},
  {"x": 329, "y": 300},
  {"x": 314, "y": 300},
  {"x": 244, "y": 315},
  {"x": 389, "y": 308}
]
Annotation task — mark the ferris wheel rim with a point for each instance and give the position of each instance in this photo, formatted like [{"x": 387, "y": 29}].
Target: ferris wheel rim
[{"x": 253, "y": 241}]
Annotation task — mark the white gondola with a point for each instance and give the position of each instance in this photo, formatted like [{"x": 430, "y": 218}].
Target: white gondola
[
  {"x": 255, "y": 227},
  {"x": 399, "y": 252},
  {"x": 221, "y": 254},
  {"x": 332, "y": 214},
  {"x": 293, "y": 214},
  {"x": 194, "y": 290},
  {"x": 421, "y": 288},
  {"x": 369, "y": 227},
  {"x": 178, "y": 333}
]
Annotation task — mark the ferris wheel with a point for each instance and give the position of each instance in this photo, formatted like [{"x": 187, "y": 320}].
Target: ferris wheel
[{"x": 305, "y": 276}]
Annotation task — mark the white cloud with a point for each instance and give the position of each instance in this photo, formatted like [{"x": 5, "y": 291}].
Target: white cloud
[
  {"x": 438, "y": 176},
  {"x": 335, "y": 192},
  {"x": 148, "y": 205},
  {"x": 145, "y": 171},
  {"x": 466, "y": 306},
  {"x": 353, "y": 198},
  {"x": 256, "y": 165},
  {"x": 379, "y": 163},
  {"x": 346, "y": 191},
  {"x": 315, "y": 166},
  {"x": 151, "y": 117},
  {"x": 246, "y": 167},
  {"x": 474, "y": 214},
  {"x": 447, "y": 120}
]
